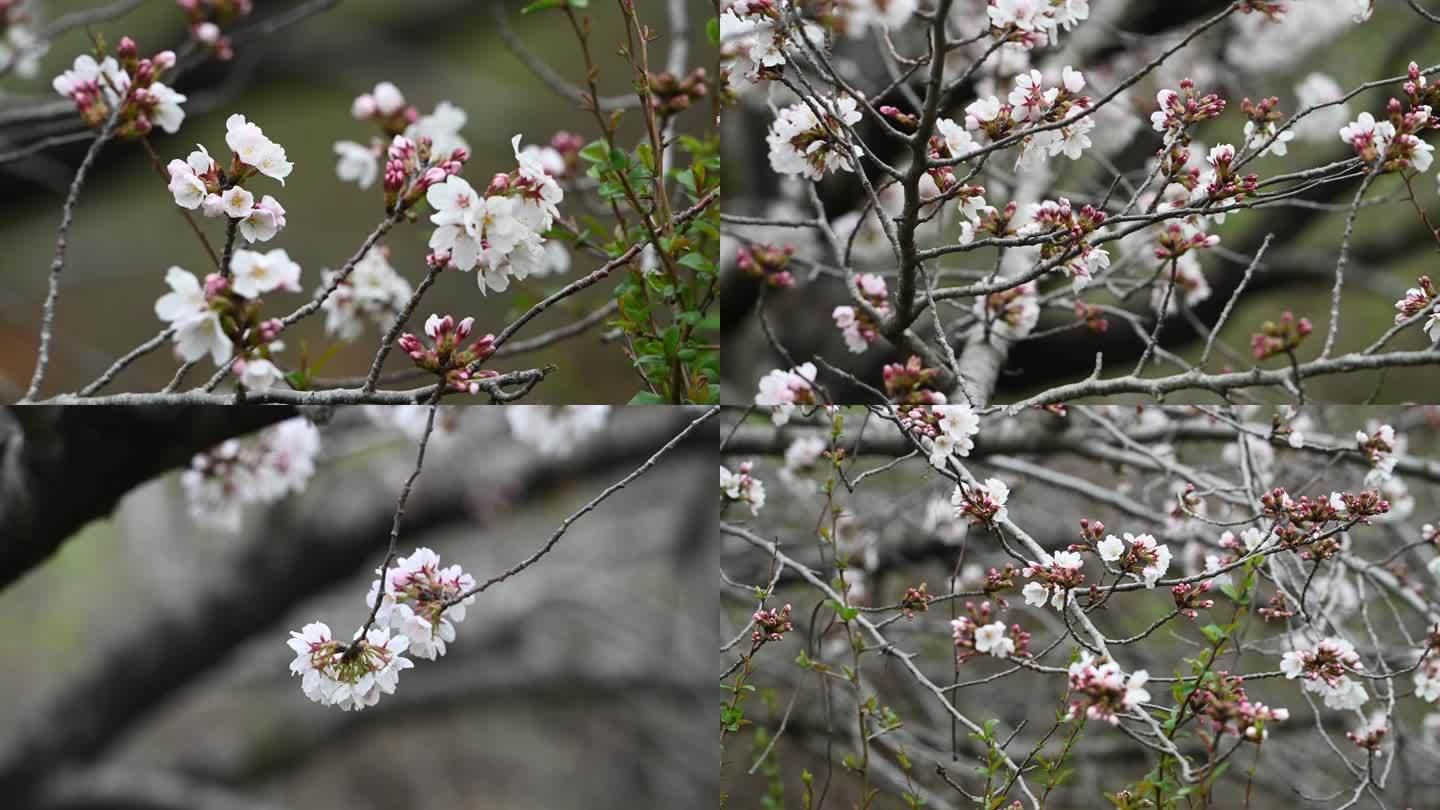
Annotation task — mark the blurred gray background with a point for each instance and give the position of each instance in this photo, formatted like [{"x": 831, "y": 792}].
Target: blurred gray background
[{"x": 147, "y": 665}]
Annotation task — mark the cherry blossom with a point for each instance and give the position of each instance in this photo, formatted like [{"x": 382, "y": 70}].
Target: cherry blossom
[
  {"x": 1100, "y": 691},
  {"x": 743, "y": 487},
  {"x": 783, "y": 391},
  {"x": 556, "y": 430},
  {"x": 1323, "y": 666},
  {"x": 254, "y": 274},
  {"x": 350, "y": 676},
  {"x": 372, "y": 291},
  {"x": 417, "y": 591},
  {"x": 803, "y": 143},
  {"x": 276, "y": 462}
]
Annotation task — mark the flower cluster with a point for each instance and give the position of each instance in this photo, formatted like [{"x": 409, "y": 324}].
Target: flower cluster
[
  {"x": 784, "y": 391},
  {"x": 1034, "y": 23},
  {"x": 1396, "y": 142},
  {"x": 1029, "y": 104},
  {"x": 556, "y": 430},
  {"x": 771, "y": 625},
  {"x": 1056, "y": 576},
  {"x": 743, "y": 487},
  {"x": 20, "y": 47},
  {"x": 448, "y": 357},
  {"x": 1323, "y": 666},
  {"x": 1283, "y": 337},
  {"x": 944, "y": 430},
  {"x": 1370, "y": 735},
  {"x": 982, "y": 503},
  {"x": 1145, "y": 558},
  {"x": 278, "y": 461},
  {"x": 1420, "y": 299},
  {"x": 1427, "y": 680},
  {"x": 1189, "y": 597},
  {"x": 1077, "y": 258},
  {"x": 434, "y": 142},
  {"x": 1380, "y": 446},
  {"x": 351, "y": 676},
  {"x": 1260, "y": 120},
  {"x": 978, "y": 634},
  {"x": 672, "y": 95},
  {"x": 801, "y": 458},
  {"x": 199, "y": 182},
  {"x": 910, "y": 384},
  {"x": 1179, "y": 110},
  {"x": 223, "y": 316},
  {"x": 752, "y": 46},
  {"x": 857, "y": 326},
  {"x": 499, "y": 233},
  {"x": 768, "y": 263},
  {"x": 1011, "y": 313},
  {"x": 419, "y": 601},
  {"x": 128, "y": 82},
  {"x": 808, "y": 137},
  {"x": 1220, "y": 699},
  {"x": 205, "y": 18},
  {"x": 372, "y": 290},
  {"x": 1100, "y": 691}
]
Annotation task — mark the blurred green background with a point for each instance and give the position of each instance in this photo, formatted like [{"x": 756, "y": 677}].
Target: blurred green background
[{"x": 297, "y": 85}]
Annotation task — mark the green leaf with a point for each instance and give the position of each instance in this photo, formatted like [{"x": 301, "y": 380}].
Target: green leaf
[
  {"x": 712, "y": 28},
  {"x": 541, "y": 5},
  {"x": 646, "y": 398}
]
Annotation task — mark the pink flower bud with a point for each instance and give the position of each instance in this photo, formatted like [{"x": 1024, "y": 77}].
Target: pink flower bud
[
  {"x": 499, "y": 184},
  {"x": 215, "y": 284},
  {"x": 163, "y": 60},
  {"x": 126, "y": 49},
  {"x": 363, "y": 107},
  {"x": 462, "y": 331},
  {"x": 207, "y": 33}
]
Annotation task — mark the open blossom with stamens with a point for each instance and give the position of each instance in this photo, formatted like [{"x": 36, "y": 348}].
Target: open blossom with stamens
[
  {"x": 199, "y": 182},
  {"x": 253, "y": 274},
  {"x": 743, "y": 487},
  {"x": 982, "y": 503},
  {"x": 1100, "y": 691},
  {"x": 351, "y": 676},
  {"x": 783, "y": 391},
  {"x": 1146, "y": 558},
  {"x": 977, "y": 633},
  {"x": 498, "y": 233},
  {"x": 127, "y": 81},
  {"x": 943, "y": 429},
  {"x": 1056, "y": 576},
  {"x": 448, "y": 356},
  {"x": 1323, "y": 667},
  {"x": 417, "y": 591},
  {"x": 556, "y": 430}
]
